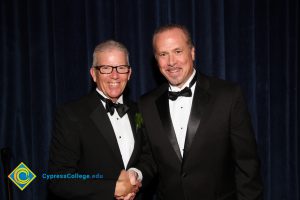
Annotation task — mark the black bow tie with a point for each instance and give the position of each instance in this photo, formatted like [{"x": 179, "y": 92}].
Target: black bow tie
[
  {"x": 110, "y": 106},
  {"x": 120, "y": 108},
  {"x": 186, "y": 92}
]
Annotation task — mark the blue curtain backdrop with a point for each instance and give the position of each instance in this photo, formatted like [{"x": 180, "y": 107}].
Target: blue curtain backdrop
[{"x": 46, "y": 50}]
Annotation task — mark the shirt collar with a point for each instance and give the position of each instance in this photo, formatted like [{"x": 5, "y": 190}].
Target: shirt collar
[
  {"x": 186, "y": 84},
  {"x": 120, "y": 99}
]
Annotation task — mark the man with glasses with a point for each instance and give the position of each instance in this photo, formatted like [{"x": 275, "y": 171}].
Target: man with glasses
[{"x": 96, "y": 135}]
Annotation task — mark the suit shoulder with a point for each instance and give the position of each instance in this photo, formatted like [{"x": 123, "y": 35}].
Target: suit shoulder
[
  {"x": 82, "y": 106},
  {"x": 222, "y": 91},
  {"x": 156, "y": 92},
  {"x": 217, "y": 84}
]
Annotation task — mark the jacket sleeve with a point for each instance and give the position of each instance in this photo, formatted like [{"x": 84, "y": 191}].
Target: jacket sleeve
[
  {"x": 146, "y": 164},
  {"x": 247, "y": 166},
  {"x": 64, "y": 159}
]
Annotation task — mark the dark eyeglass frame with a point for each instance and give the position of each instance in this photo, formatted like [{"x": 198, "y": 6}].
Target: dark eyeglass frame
[{"x": 112, "y": 68}]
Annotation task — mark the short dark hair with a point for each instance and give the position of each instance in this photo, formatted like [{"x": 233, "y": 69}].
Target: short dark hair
[{"x": 174, "y": 26}]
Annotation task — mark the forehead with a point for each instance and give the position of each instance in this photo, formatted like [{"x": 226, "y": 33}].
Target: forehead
[
  {"x": 170, "y": 37},
  {"x": 111, "y": 56}
]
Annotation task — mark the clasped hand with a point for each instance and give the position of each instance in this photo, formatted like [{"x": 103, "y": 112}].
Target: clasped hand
[{"x": 127, "y": 185}]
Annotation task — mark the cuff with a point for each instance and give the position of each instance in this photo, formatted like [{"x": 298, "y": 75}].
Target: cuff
[{"x": 139, "y": 173}]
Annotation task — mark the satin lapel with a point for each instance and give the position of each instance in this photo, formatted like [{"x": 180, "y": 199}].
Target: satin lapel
[
  {"x": 200, "y": 100},
  {"x": 102, "y": 122},
  {"x": 162, "y": 104},
  {"x": 131, "y": 115}
]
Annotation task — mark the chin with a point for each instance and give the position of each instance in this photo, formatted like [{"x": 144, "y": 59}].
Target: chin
[
  {"x": 174, "y": 82},
  {"x": 115, "y": 94}
]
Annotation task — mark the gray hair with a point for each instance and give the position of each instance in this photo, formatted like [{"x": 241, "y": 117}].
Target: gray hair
[{"x": 109, "y": 45}]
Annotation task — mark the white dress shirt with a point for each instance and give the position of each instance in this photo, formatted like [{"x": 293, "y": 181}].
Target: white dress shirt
[
  {"x": 180, "y": 112},
  {"x": 123, "y": 131}
]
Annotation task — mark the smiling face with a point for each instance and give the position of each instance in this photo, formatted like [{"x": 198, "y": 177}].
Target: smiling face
[
  {"x": 175, "y": 56},
  {"x": 112, "y": 85}
]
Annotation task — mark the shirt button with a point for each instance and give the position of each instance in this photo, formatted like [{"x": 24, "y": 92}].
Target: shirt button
[{"x": 120, "y": 137}]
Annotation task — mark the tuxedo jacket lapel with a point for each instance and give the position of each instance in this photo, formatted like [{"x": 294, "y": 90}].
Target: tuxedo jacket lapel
[
  {"x": 101, "y": 120},
  {"x": 200, "y": 100},
  {"x": 162, "y": 104},
  {"x": 131, "y": 116}
]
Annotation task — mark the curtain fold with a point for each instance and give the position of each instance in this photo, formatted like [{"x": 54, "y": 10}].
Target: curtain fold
[{"x": 46, "y": 51}]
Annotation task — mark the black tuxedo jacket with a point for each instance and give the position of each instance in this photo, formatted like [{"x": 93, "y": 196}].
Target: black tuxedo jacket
[
  {"x": 220, "y": 159},
  {"x": 84, "y": 142}
]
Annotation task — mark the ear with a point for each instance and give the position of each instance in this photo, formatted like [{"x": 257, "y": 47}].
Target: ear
[
  {"x": 93, "y": 73},
  {"x": 129, "y": 74},
  {"x": 193, "y": 53}
]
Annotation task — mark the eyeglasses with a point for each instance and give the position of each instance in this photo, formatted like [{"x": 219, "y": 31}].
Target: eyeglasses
[{"x": 107, "y": 69}]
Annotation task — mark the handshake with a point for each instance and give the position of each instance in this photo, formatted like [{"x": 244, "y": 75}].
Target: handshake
[{"x": 127, "y": 185}]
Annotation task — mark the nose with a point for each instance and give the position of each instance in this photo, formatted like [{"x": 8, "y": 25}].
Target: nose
[
  {"x": 171, "y": 60},
  {"x": 114, "y": 74}
]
